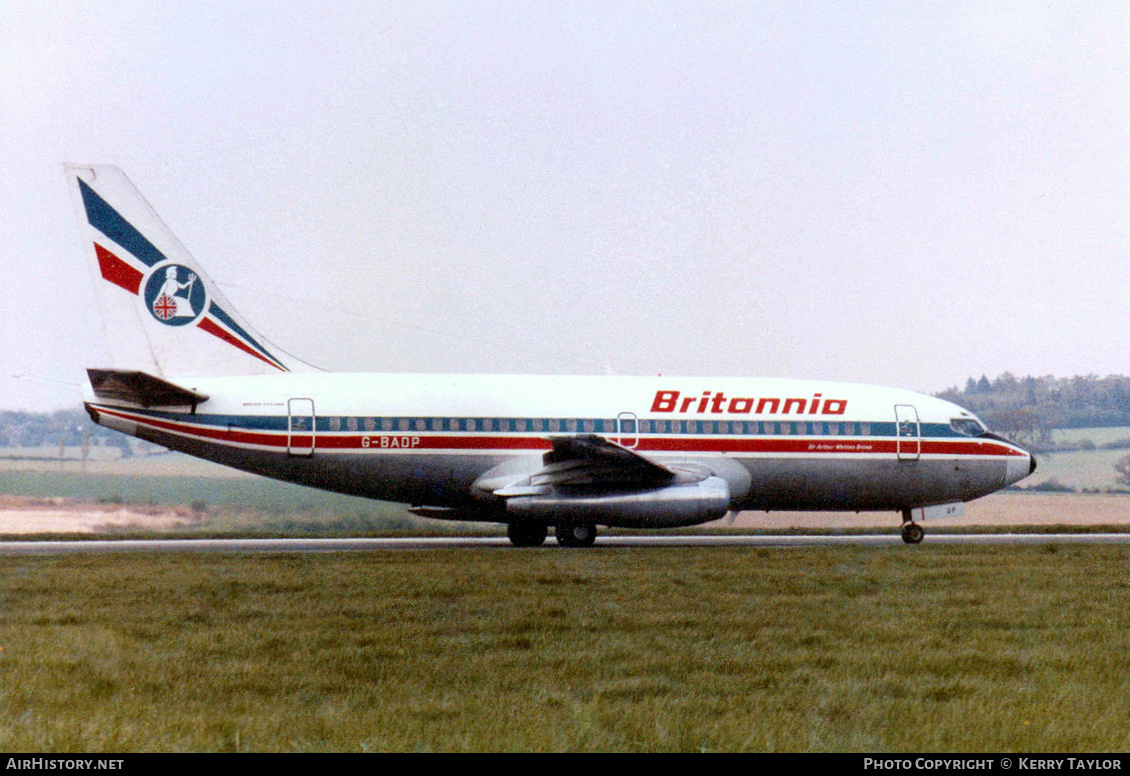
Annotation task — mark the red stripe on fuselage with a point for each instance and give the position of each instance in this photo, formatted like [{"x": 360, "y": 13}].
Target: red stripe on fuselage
[
  {"x": 117, "y": 271},
  {"x": 821, "y": 445},
  {"x": 211, "y": 433},
  {"x": 414, "y": 441},
  {"x": 409, "y": 441}
]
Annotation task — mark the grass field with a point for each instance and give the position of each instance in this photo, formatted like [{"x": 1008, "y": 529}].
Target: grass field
[
  {"x": 1082, "y": 469},
  {"x": 107, "y": 461},
  {"x": 221, "y": 503},
  {"x": 1100, "y": 436},
  {"x": 895, "y": 649}
]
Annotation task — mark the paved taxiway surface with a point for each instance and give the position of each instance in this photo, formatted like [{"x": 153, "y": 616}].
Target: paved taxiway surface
[{"x": 471, "y": 542}]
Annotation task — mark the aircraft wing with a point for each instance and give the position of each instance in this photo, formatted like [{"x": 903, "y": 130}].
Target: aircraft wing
[{"x": 591, "y": 460}]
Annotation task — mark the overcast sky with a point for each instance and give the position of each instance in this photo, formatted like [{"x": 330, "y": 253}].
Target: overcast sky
[{"x": 903, "y": 194}]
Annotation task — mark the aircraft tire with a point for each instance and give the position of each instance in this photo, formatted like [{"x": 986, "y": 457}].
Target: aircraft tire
[
  {"x": 575, "y": 534},
  {"x": 527, "y": 534},
  {"x": 912, "y": 533}
]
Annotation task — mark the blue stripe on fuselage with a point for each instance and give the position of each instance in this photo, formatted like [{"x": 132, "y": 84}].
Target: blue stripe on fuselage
[{"x": 408, "y": 425}]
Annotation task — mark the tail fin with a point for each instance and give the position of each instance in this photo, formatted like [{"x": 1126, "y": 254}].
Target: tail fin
[{"x": 162, "y": 314}]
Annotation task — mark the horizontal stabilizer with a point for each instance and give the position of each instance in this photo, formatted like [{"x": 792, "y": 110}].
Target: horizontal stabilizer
[{"x": 141, "y": 388}]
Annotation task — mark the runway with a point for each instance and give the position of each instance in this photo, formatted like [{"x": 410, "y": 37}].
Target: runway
[{"x": 486, "y": 542}]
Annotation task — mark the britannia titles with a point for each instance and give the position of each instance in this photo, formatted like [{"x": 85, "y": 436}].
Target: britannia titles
[{"x": 718, "y": 403}]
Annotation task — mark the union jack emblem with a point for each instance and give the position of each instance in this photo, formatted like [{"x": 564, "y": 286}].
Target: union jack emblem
[{"x": 164, "y": 307}]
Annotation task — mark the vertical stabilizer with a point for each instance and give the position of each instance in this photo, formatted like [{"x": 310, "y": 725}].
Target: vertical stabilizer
[{"x": 161, "y": 312}]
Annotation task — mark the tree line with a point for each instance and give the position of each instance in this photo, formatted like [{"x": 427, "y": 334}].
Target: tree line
[
  {"x": 1028, "y": 408},
  {"x": 68, "y": 428}
]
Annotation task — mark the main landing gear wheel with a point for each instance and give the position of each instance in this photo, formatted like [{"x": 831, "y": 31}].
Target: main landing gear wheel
[
  {"x": 527, "y": 534},
  {"x": 576, "y": 535},
  {"x": 912, "y": 533}
]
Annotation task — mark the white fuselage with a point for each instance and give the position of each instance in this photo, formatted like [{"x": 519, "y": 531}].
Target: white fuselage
[{"x": 457, "y": 441}]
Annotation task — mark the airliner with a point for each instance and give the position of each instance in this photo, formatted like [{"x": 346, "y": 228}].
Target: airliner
[{"x": 189, "y": 373}]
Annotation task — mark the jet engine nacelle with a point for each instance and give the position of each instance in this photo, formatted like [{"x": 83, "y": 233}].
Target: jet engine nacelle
[{"x": 666, "y": 507}]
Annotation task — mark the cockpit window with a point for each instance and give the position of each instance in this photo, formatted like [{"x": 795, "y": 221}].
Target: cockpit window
[{"x": 967, "y": 426}]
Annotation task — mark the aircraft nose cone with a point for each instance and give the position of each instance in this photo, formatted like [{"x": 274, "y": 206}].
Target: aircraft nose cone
[{"x": 1016, "y": 467}]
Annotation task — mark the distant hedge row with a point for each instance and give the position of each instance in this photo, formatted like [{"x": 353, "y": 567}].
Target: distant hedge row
[{"x": 1028, "y": 408}]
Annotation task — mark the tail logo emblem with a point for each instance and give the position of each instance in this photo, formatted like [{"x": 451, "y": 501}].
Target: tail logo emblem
[{"x": 175, "y": 295}]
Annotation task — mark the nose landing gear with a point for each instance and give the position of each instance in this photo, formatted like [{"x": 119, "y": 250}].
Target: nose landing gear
[{"x": 912, "y": 533}]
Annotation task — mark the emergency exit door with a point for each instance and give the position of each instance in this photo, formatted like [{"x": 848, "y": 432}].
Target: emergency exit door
[{"x": 627, "y": 429}]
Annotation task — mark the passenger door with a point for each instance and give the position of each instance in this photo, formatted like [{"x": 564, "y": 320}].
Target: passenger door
[
  {"x": 908, "y": 431},
  {"x": 300, "y": 427}
]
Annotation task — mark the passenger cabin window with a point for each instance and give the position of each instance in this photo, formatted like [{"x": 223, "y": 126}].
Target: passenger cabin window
[{"x": 967, "y": 427}]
